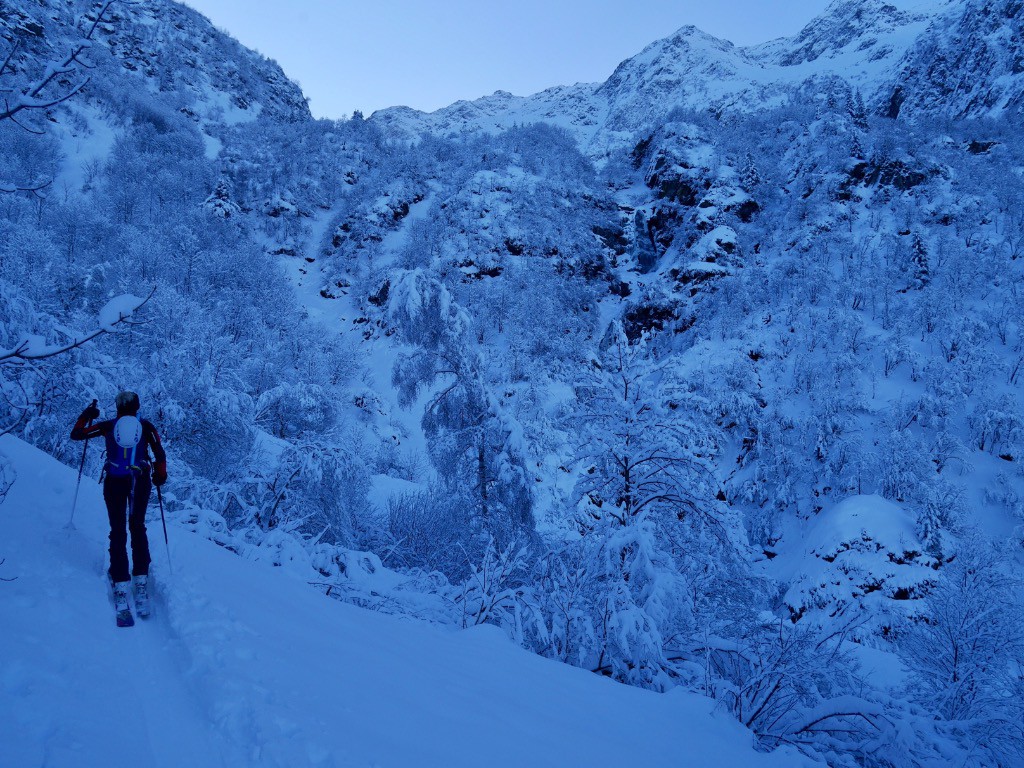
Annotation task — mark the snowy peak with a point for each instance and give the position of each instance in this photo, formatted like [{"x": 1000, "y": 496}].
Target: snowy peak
[
  {"x": 689, "y": 68},
  {"x": 574, "y": 107},
  {"x": 674, "y": 57},
  {"x": 867, "y": 27}
]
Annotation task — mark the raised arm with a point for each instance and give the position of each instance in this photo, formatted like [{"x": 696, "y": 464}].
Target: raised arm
[{"x": 83, "y": 430}]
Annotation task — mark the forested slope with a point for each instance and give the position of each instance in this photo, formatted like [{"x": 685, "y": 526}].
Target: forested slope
[{"x": 706, "y": 376}]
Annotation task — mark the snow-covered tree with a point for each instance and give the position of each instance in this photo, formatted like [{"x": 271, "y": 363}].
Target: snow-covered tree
[
  {"x": 470, "y": 440},
  {"x": 645, "y": 504}
]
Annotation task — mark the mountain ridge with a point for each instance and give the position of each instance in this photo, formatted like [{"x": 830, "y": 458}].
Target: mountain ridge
[{"x": 872, "y": 46}]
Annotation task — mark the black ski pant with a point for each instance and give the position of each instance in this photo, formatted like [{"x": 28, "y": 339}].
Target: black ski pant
[{"x": 127, "y": 498}]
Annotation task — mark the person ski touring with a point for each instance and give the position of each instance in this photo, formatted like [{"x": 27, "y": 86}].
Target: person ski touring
[{"x": 126, "y": 489}]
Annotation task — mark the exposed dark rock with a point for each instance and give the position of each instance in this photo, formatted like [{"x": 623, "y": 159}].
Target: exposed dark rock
[
  {"x": 620, "y": 288},
  {"x": 400, "y": 212},
  {"x": 675, "y": 190},
  {"x": 980, "y": 147},
  {"x": 660, "y": 228},
  {"x": 472, "y": 271},
  {"x": 890, "y": 173},
  {"x": 895, "y": 103},
  {"x": 380, "y": 298},
  {"x": 747, "y": 211},
  {"x": 647, "y": 317},
  {"x": 639, "y": 152},
  {"x": 613, "y": 239}
]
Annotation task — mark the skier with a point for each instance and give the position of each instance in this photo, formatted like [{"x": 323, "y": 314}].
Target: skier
[{"x": 126, "y": 487}]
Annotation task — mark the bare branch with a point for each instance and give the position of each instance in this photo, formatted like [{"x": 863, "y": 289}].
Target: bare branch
[
  {"x": 34, "y": 189},
  {"x": 29, "y": 99},
  {"x": 810, "y": 727},
  {"x": 27, "y": 128},
  {"x": 7, "y": 61}
]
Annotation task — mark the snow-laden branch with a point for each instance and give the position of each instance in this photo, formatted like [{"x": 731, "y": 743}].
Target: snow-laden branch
[
  {"x": 7, "y": 187},
  {"x": 117, "y": 311},
  {"x": 31, "y": 97}
]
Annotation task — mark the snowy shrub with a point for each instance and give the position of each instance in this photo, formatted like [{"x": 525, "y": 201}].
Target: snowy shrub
[
  {"x": 942, "y": 509},
  {"x": 290, "y": 410},
  {"x": 469, "y": 435},
  {"x": 967, "y": 655},
  {"x": 493, "y": 591},
  {"x": 427, "y": 532},
  {"x": 797, "y": 685},
  {"x": 862, "y": 557},
  {"x": 561, "y": 611},
  {"x": 646, "y": 510},
  {"x": 904, "y": 468},
  {"x": 895, "y": 354},
  {"x": 997, "y": 425}
]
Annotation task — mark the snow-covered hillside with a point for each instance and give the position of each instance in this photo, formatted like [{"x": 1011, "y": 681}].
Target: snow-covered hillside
[
  {"x": 707, "y": 378},
  {"x": 243, "y": 665}
]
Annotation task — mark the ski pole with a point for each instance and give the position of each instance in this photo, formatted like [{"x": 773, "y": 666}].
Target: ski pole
[
  {"x": 81, "y": 469},
  {"x": 160, "y": 499}
]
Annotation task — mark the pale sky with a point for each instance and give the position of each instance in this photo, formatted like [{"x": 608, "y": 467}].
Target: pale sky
[{"x": 357, "y": 54}]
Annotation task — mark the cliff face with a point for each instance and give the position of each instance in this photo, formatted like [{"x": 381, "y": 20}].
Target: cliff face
[{"x": 969, "y": 66}]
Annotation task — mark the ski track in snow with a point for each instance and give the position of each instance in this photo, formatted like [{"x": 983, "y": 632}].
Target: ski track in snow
[
  {"x": 244, "y": 665},
  {"x": 87, "y": 692}
]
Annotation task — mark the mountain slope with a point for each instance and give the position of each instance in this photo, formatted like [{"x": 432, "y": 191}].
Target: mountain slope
[
  {"x": 242, "y": 665},
  {"x": 822, "y": 301}
]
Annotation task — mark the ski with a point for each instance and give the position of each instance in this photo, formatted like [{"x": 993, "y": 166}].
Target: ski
[{"x": 142, "y": 596}]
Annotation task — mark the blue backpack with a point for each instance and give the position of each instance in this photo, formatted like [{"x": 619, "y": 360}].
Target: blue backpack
[{"x": 126, "y": 449}]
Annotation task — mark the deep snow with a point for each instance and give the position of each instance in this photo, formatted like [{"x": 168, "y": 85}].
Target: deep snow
[{"x": 242, "y": 664}]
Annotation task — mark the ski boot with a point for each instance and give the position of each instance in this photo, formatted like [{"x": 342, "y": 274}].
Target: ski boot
[{"x": 124, "y": 613}]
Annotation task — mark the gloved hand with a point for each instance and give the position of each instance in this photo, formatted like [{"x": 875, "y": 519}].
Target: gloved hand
[
  {"x": 91, "y": 413},
  {"x": 159, "y": 476}
]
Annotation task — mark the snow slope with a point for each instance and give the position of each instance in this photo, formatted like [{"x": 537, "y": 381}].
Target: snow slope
[{"x": 243, "y": 665}]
